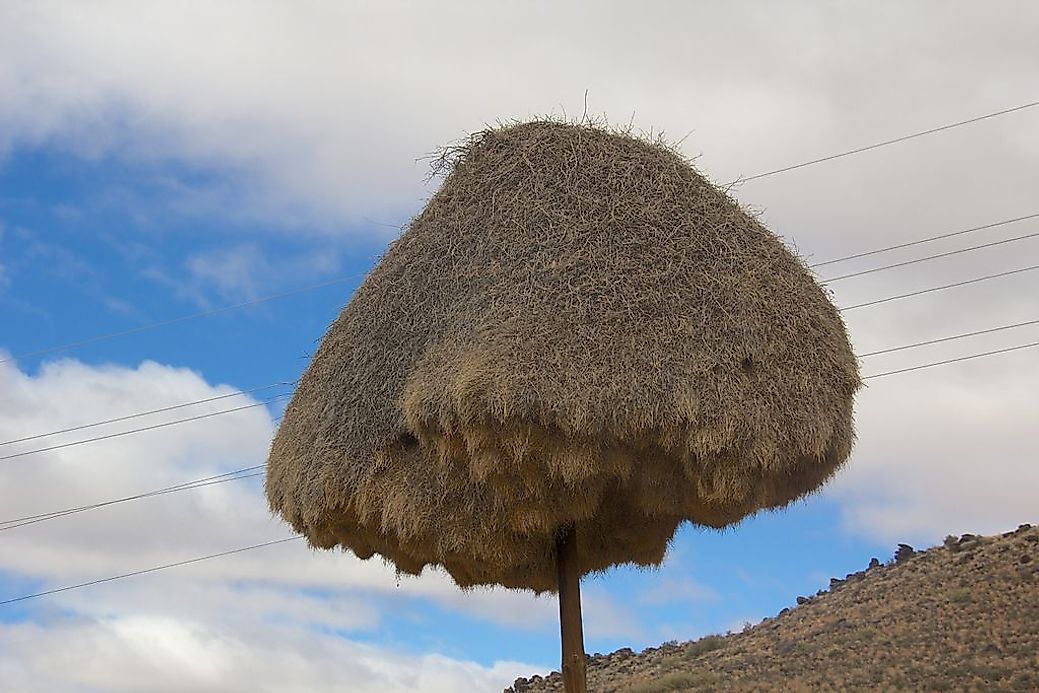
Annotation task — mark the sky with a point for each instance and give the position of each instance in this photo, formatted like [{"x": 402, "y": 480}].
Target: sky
[{"x": 159, "y": 160}]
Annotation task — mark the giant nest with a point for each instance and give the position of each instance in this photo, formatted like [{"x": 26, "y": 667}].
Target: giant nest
[{"x": 577, "y": 330}]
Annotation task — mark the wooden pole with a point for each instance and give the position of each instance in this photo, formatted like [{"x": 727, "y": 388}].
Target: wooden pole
[{"x": 571, "y": 630}]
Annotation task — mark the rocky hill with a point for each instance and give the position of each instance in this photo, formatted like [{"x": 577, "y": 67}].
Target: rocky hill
[{"x": 961, "y": 616}]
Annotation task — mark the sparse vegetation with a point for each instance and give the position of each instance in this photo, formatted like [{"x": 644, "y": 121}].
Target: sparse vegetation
[
  {"x": 675, "y": 681},
  {"x": 702, "y": 646}
]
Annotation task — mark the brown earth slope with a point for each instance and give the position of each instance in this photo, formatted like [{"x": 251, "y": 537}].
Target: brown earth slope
[{"x": 962, "y": 616}]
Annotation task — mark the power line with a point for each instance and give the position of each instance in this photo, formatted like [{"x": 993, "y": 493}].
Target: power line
[
  {"x": 929, "y": 239},
  {"x": 146, "y": 428},
  {"x": 182, "y": 318},
  {"x": 280, "y": 541},
  {"x": 302, "y": 289},
  {"x": 264, "y": 299},
  {"x": 283, "y": 396},
  {"x": 937, "y": 288},
  {"x": 341, "y": 280},
  {"x": 313, "y": 287},
  {"x": 861, "y": 356},
  {"x": 138, "y": 415},
  {"x": 931, "y": 257},
  {"x": 947, "y": 339},
  {"x": 244, "y": 473},
  {"x": 197, "y": 483},
  {"x": 234, "y": 475},
  {"x": 148, "y": 570},
  {"x": 885, "y": 143},
  {"x": 956, "y": 360}
]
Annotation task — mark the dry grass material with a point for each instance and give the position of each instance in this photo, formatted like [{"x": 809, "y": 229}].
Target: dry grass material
[{"x": 577, "y": 329}]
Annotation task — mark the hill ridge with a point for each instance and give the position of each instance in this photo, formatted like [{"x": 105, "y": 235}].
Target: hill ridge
[{"x": 963, "y": 615}]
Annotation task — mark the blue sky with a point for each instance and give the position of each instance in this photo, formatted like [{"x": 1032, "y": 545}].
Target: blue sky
[
  {"x": 99, "y": 242},
  {"x": 158, "y": 162}
]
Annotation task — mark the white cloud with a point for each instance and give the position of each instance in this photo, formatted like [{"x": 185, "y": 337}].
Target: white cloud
[
  {"x": 155, "y": 653},
  {"x": 242, "y": 272},
  {"x": 233, "y": 271}
]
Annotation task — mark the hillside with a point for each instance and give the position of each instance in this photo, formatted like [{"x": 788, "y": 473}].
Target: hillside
[{"x": 961, "y": 616}]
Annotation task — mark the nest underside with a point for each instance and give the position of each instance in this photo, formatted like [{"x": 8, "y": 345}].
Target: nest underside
[{"x": 488, "y": 506}]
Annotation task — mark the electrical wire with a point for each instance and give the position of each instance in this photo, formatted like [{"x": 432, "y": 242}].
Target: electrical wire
[
  {"x": 947, "y": 339},
  {"x": 264, "y": 299},
  {"x": 296, "y": 538},
  {"x": 147, "y": 428},
  {"x": 931, "y": 257},
  {"x": 234, "y": 475},
  {"x": 830, "y": 280},
  {"x": 921, "y": 241},
  {"x": 138, "y": 415},
  {"x": 885, "y": 143},
  {"x": 313, "y": 287},
  {"x": 189, "y": 561},
  {"x": 937, "y": 288},
  {"x": 244, "y": 473},
  {"x": 285, "y": 395},
  {"x": 955, "y": 360},
  {"x": 186, "y": 486}
]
